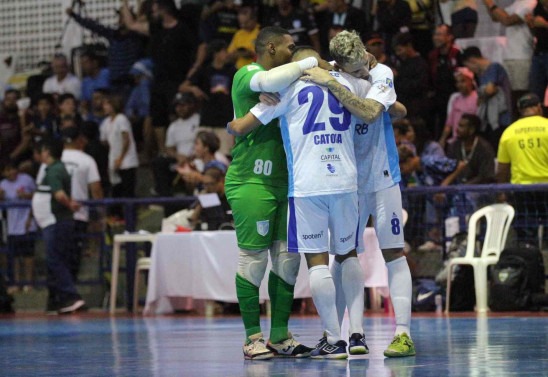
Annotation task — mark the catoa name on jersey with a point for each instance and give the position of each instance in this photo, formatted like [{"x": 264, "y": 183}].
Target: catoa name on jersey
[{"x": 328, "y": 139}]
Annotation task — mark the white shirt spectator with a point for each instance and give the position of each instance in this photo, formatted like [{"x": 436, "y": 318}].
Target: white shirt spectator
[
  {"x": 182, "y": 133},
  {"x": 519, "y": 40},
  {"x": 111, "y": 131},
  {"x": 70, "y": 84}
]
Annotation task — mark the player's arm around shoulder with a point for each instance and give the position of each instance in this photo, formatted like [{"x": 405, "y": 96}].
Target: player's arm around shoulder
[{"x": 244, "y": 125}]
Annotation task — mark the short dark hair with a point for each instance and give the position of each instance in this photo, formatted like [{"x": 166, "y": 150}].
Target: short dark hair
[
  {"x": 54, "y": 146},
  {"x": 46, "y": 97},
  {"x": 65, "y": 96},
  {"x": 117, "y": 102},
  {"x": 209, "y": 140},
  {"x": 215, "y": 46},
  {"x": 268, "y": 34},
  {"x": 471, "y": 52},
  {"x": 12, "y": 91},
  {"x": 473, "y": 121},
  {"x": 91, "y": 55},
  {"x": 168, "y": 5},
  {"x": 402, "y": 39}
]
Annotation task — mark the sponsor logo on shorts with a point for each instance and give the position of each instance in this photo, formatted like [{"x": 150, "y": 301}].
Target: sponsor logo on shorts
[
  {"x": 347, "y": 238},
  {"x": 313, "y": 236},
  {"x": 263, "y": 227}
]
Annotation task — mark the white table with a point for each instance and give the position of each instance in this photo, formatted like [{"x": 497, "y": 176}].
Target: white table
[
  {"x": 203, "y": 265},
  {"x": 119, "y": 239}
]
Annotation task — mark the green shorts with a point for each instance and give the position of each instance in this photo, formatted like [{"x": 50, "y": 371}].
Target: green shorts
[{"x": 260, "y": 214}]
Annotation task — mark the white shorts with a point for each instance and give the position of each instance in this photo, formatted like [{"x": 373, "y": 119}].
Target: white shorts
[
  {"x": 386, "y": 208},
  {"x": 317, "y": 222}
]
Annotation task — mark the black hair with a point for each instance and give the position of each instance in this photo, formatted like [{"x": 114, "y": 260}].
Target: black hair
[
  {"x": 266, "y": 35},
  {"x": 402, "y": 39},
  {"x": 63, "y": 97},
  {"x": 46, "y": 97},
  {"x": 54, "y": 146},
  {"x": 209, "y": 140},
  {"x": 471, "y": 52},
  {"x": 215, "y": 46},
  {"x": 169, "y": 6},
  {"x": 12, "y": 91},
  {"x": 473, "y": 121}
]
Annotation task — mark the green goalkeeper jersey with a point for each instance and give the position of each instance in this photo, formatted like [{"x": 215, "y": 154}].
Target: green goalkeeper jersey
[{"x": 259, "y": 156}]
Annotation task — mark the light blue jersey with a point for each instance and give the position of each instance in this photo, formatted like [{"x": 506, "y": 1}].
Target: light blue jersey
[
  {"x": 375, "y": 146},
  {"x": 318, "y": 134}
]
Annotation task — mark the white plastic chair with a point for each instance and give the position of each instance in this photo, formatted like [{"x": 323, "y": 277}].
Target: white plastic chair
[
  {"x": 498, "y": 217},
  {"x": 143, "y": 264}
]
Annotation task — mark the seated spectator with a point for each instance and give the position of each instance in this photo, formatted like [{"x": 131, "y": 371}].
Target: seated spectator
[
  {"x": 211, "y": 84},
  {"x": 95, "y": 77},
  {"x": 62, "y": 81},
  {"x": 97, "y": 150},
  {"x": 68, "y": 115},
  {"x": 42, "y": 120},
  {"x": 464, "y": 18},
  {"x": 212, "y": 218},
  {"x": 242, "y": 47},
  {"x": 21, "y": 227},
  {"x": 14, "y": 141},
  {"x": 95, "y": 113},
  {"x": 464, "y": 101},
  {"x": 474, "y": 150},
  {"x": 206, "y": 147},
  {"x": 179, "y": 144}
]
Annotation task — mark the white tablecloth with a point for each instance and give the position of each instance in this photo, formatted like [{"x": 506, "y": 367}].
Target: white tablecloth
[{"x": 203, "y": 265}]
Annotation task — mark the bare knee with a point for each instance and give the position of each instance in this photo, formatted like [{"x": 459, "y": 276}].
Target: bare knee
[
  {"x": 392, "y": 254},
  {"x": 342, "y": 258}
]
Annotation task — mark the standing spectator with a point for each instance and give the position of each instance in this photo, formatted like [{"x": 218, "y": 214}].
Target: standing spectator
[
  {"x": 62, "y": 80},
  {"x": 443, "y": 60},
  {"x": 464, "y": 101},
  {"x": 300, "y": 23},
  {"x": 53, "y": 207},
  {"x": 519, "y": 41},
  {"x": 393, "y": 17},
  {"x": 173, "y": 49},
  {"x": 179, "y": 143},
  {"x": 96, "y": 113},
  {"x": 95, "y": 77},
  {"x": 122, "y": 156},
  {"x": 211, "y": 84},
  {"x": 411, "y": 77},
  {"x": 464, "y": 18},
  {"x": 422, "y": 24},
  {"x": 340, "y": 13},
  {"x": 494, "y": 98},
  {"x": 98, "y": 151},
  {"x": 522, "y": 156},
  {"x": 85, "y": 179},
  {"x": 17, "y": 186},
  {"x": 125, "y": 47},
  {"x": 14, "y": 142},
  {"x": 375, "y": 46},
  {"x": 68, "y": 112},
  {"x": 242, "y": 47},
  {"x": 43, "y": 121},
  {"x": 138, "y": 104},
  {"x": 538, "y": 77},
  {"x": 219, "y": 20}
]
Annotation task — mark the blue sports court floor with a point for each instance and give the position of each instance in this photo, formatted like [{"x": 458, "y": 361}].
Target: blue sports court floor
[{"x": 97, "y": 345}]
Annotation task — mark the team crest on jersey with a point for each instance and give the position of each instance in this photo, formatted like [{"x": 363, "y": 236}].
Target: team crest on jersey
[
  {"x": 389, "y": 82},
  {"x": 263, "y": 227}
]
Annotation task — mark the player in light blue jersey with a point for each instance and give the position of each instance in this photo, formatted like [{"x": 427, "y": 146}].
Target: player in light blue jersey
[
  {"x": 378, "y": 172},
  {"x": 318, "y": 139}
]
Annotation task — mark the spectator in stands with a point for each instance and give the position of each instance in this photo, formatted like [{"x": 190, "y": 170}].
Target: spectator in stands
[
  {"x": 125, "y": 47},
  {"x": 62, "y": 81},
  {"x": 98, "y": 151},
  {"x": 464, "y": 101},
  {"x": 181, "y": 135},
  {"x": 494, "y": 98},
  {"x": 53, "y": 207},
  {"x": 519, "y": 41},
  {"x": 20, "y": 227},
  {"x": 393, "y": 17},
  {"x": 206, "y": 146},
  {"x": 212, "y": 218},
  {"x": 376, "y": 47},
  {"x": 96, "y": 113},
  {"x": 68, "y": 112},
  {"x": 116, "y": 132},
  {"x": 464, "y": 18},
  {"x": 85, "y": 180},
  {"x": 95, "y": 76},
  {"x": 173, "y": 48},
  {"x": 14, "y": 141},
  {"x": 411, "y": 77},
  {"x": 474, "y": 150},
  {"x": 422, "y": 24},
  {"x": 138, "y": 104},
  {"x": 42, "y": 120},
  {"x": 242, "y": 47},
  {"x": 211, "y": 84},
  {"x": 348, "y": 17},
  {"x": 522, "y": 156},
  {"x": 443, "y": 60},
  {"x": 300, "y": 23},
  {"x": 538, "y": 22}
]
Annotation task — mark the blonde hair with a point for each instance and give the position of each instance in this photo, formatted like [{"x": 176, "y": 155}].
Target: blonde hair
[{"x": 347, "y": 48}]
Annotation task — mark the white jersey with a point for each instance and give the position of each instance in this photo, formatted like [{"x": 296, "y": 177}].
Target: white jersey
[
  {"x": 375, "y": 146},
  {"x": 317, "y": 133},
  {"x": 83, "y": 171}
]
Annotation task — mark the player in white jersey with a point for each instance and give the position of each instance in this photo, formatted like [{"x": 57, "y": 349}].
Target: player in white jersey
[
  {"x": 318, "y": 139},
  {"x": 378, "y": 173}
]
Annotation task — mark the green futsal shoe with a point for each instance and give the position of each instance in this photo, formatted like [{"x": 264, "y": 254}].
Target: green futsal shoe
[{"x": 401, "y": 346}]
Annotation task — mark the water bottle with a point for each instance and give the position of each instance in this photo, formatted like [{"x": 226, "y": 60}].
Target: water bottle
[{"x": 438, "y": 300}]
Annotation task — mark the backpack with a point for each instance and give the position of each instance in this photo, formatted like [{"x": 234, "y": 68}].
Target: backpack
[
  {"x": 517, "y": 276},
  {"x": 424, "y": 295}
]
